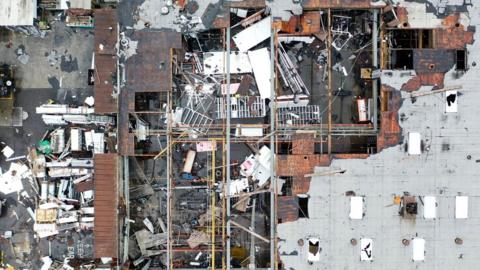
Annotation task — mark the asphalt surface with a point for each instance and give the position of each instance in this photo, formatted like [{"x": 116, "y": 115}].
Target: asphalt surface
[{"x": 63, "y": 80}]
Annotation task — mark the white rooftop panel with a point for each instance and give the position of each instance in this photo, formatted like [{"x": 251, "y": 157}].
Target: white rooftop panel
[
  {"x": 414, "y": 143},
  {"x": 215, "y": 63},
  {"x": 253, "y": 35},
  {"x": 17, "y": 12},
  {"x": 260, "y": 61},
  {"x": 429, "y": 207},
  {"x": 356, "y": 208},
  {"x": 461, "y": 207},
  {"x": 418, "y": 249}
]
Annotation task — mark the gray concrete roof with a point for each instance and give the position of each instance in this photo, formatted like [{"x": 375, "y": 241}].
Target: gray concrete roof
[{"x": 437, "y": 172}]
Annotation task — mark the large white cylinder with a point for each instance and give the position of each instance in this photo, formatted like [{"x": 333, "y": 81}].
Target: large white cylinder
[{"x": 44, "y": 191}]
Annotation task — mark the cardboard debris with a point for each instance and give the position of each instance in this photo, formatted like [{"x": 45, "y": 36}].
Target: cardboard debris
[
  {"x": 206, "y": 146},
  {"x": 198, "y": 238}
]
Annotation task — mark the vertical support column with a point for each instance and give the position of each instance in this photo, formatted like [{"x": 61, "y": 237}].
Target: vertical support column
[
  {"x": 212, "y": 192},
  {"x": 251, "y": 264},
  {"x": 375, "y": 66},
  {"x": 227, "y": 145},
  {"x": 169, "y": 180},
  {"x": 126, "y": 194},
  {"x": 330, "y": 83},
  {"x": 224, "y": 259},
  {"x": 273, "y": 182}
]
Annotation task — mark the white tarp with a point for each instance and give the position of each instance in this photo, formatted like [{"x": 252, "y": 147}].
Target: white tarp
[
  {"x": 260, "y": 60},
  {"x": 62, "y": 109},
  {"x": 238, "y": 186},
  {"x": 414, "y": 143},
  {"x": 17, "y": 13},
  {"x": 356, "y": 207},
  {"x": 253, "y": 35},
  {"x": 429, "y": 207},
  {"x": 248, "y": 131},
  {"x": 461, "y": 207},
  {"x": 11, "y": 181},
  {"x": 215, "y": 63},
  {"x": 45, "y": 229},
  {"x": 366, "y": 249},
  {"x": 257, "y": 166},
  {"x": 418, "y": 249},
  {"x": 47, "y": 262}
]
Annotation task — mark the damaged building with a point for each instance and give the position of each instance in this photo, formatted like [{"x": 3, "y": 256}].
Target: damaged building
[{"x": 246, "y": 134}]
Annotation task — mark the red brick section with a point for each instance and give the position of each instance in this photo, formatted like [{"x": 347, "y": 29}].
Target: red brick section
[
  {"x": 303, "y": 144},
  {"x": 302, "y": 161},
  {"x": 316, "y": 4},
  {"x": 390, "y": 131},
  {"x": 424, "y": 79},
  {"x": 309, "y": 23},
  {"x": 350, "y": 156},
  {"x": 287, "y": 208},
  {"x": 454, "y": 35}
]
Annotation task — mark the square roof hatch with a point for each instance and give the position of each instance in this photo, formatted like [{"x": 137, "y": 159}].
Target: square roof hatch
[
  {"x": 461, "y": 207},
  {"x": 414, "y": 143},
  {"x": 429, "y": 207},
  {"x": 418, "y": 249},
  {"x": 356, "y": 207}
]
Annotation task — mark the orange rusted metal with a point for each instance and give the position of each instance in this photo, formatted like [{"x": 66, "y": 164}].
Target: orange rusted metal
[
  {"x": 424, "y": 79},
  {"x": 390, "y": 133},
  {"x": 105, "y": 60},
  {"x": 453, "y": 35},
  {"x": 306, "y": 24},
  {"x": 106, "y": 216}
]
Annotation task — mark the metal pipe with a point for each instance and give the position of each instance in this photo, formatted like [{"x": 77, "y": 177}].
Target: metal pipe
[
  {"x": 273, "y": 182},
  {"x": 375, "y": 66},
  {"x": 169, "y": 181},
  {"x": 227, "y": 187},
  {"x": 251, "y": 232},
  {"x": 330, "y": 83},
  {"x": 213, "y": 208},
  {"x": 126, "y": 192},
  {"x": 251, "y": 265}
]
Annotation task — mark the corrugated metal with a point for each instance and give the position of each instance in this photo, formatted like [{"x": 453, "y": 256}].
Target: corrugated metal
[
  {"x": 105, "y": 70},
  {"x": 287, "y": 209},
  {"x": 105, "y": 60},
  {"x": 150, "y": 69},
  {"x": 106, "y": 201},
  {"x": 105, "y": 31}
]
